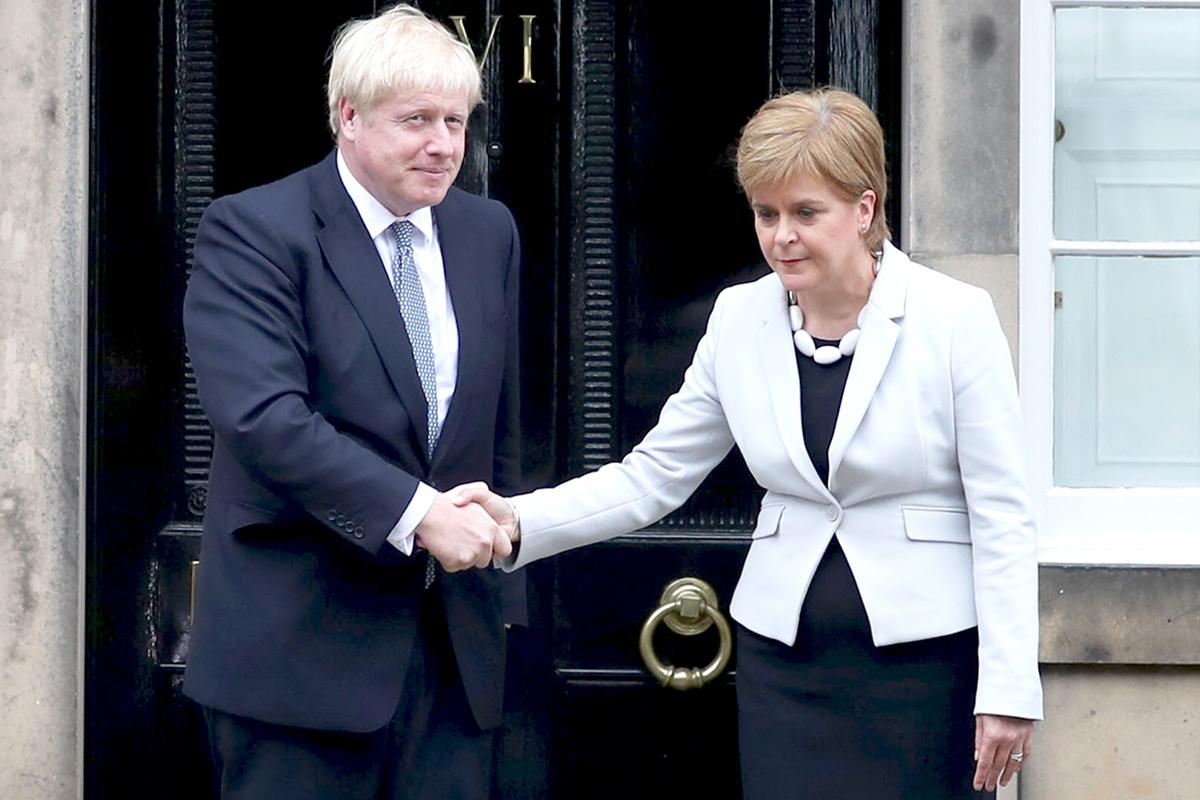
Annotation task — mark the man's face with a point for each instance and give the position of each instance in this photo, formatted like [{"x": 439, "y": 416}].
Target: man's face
[{"x": 407, "y": 150}]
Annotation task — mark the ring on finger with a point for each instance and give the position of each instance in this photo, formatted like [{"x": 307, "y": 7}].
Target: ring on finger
[{"x": 1017, "y": 757}]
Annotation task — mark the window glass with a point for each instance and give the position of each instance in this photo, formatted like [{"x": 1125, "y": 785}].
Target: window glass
[
  {"x": 1127, "y": 107},
  {"x": 1127, "y": 372}
]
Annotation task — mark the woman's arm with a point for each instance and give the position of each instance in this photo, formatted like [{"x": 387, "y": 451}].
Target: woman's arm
[
  {"x": 658, "y": 475},
  {"x": 991, "y": 459},
  {"x": 989, "y": 436}
]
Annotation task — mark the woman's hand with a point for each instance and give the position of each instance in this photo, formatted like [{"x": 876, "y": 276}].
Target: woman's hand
[{"x": 1002, "y": 744}]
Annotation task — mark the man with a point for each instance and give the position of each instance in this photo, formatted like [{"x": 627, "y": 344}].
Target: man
[{"x": 353, "y": 332}]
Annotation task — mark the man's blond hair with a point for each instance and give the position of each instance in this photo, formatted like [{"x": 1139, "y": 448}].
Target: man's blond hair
[{"x": 398, "y": 50}]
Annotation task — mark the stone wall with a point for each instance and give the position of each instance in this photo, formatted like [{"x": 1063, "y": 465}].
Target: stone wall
[{"x": 43, "y": 270}]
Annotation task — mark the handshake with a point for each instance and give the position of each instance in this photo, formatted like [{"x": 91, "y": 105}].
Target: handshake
[{"x": 468, "y": 526}]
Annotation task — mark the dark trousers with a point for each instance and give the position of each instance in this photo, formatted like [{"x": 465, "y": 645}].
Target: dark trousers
[{"x": 432, "y": 747}]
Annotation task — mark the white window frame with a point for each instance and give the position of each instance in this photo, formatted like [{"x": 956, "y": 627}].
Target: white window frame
[{"x": 1078, "y": 526}]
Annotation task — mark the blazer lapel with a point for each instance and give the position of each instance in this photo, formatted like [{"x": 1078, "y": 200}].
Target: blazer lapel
[
  {"x": 875, "y": 345},
  {"x": 353, "y": 259},
  {"x": 778, "y": 357},
  {"x": 466, "y": 296}
]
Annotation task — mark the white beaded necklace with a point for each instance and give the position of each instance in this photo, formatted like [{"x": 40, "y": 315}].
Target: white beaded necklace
[{"x": 825, "y": 354}]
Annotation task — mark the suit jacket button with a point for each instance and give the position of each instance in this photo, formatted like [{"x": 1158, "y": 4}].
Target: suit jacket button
[
  {"x": 332, "y": 515},
  {"x": 340, "y": 521},
  {"x": 359, "y": 532},
  {"x": 831, "y": 513}
]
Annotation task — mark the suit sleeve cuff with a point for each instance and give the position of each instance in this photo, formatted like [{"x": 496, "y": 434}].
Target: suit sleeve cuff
[
  {"x": 404, "y": 533},
  {"x": 509, "y": 564}
]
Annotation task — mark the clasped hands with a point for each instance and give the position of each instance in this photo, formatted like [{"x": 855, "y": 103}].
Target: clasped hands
[{"x": 467, "y": 527}]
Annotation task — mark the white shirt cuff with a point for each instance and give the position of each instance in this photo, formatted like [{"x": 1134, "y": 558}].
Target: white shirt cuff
[{"x": 404, "y": 533}]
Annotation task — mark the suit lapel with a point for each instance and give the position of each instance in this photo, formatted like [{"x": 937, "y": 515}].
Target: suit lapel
[
  {"x": 875, "y": 346},
  {"x": 354, "y": 261},
  {"x": 778, "y": 357},
  {"x": 466, "y": 296}
]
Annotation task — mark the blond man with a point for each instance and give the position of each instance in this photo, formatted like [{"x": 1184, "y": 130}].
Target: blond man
[{"x": 353, "y": 332}]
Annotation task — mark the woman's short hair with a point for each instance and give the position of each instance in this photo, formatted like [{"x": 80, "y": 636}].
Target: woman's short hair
[
  {"x": 400, "y": 49},
  {"x": 827, "y": 133}
]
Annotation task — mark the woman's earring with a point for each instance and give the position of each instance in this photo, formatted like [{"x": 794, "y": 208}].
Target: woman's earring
[{"x": 862, "y": 228}]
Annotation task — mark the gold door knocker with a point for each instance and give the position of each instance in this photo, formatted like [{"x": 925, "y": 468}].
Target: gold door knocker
[{"x": 688, "y": 607}]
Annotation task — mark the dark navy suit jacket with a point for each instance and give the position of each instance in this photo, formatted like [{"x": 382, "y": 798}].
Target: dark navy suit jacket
[{"x": 305, "y": 615}]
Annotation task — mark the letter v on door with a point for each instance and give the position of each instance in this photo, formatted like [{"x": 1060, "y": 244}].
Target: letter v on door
[
  {"x": 527, "y": 20},
  {"x": 460, "y": 27}
]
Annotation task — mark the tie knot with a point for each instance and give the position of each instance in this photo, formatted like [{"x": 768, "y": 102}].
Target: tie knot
[{"x": 402, "y": 229}]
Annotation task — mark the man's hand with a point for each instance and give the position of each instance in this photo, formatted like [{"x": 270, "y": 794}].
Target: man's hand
[
  {"x": 1001, "y": 746},
  {"x": 495, "y": 505},
  {"x": 461, "y": 536}
]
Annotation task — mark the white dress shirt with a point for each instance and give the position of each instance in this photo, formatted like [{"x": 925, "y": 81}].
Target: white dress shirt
[{"x": 443, "y": 327}]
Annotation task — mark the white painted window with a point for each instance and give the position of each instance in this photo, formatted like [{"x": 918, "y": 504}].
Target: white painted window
[{"x": 1110, "y": 277}]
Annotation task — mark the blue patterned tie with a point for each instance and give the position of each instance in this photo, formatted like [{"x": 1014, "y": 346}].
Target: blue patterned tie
[{"x": 407, "y": 286}]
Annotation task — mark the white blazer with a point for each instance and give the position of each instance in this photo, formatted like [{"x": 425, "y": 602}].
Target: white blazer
[{"x": 927, "y": 493}]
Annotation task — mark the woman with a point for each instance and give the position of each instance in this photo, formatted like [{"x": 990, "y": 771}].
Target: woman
[{"x": 887, "y": 610}]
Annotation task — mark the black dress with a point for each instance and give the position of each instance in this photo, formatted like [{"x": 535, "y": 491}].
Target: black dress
[{"x": 834, "y": 717}]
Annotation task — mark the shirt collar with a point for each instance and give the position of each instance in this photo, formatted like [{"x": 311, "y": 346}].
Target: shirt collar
[{"x": 374, "y": 215}]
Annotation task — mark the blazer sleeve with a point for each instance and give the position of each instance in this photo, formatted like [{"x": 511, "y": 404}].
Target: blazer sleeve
[
  {"x": 507, "y": 449},
  {"x": 659, "y": 474},
  {"x": 989, "y": 436},
  {"x": 245, "y": 328}
]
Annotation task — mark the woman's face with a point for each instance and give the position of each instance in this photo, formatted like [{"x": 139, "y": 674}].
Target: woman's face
[{"x": 808, "y": 234}]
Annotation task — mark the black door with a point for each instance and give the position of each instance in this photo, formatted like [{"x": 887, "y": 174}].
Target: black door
[{"x": 608, "y": 131}]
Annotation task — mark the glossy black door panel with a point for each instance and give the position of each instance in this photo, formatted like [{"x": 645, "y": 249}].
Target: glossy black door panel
[{"x": 608, "y": 129}]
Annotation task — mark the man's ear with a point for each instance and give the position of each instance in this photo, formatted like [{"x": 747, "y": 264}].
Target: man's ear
[{"x": 349, "y": 119}]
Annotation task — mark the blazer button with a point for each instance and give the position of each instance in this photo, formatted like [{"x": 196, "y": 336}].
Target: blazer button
[
  {"x": 333, "y": 515},
  {"x": 359, "y": 532},
  {"x": 831, "y": 513},
  {"x": 340, "y": 521}
]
